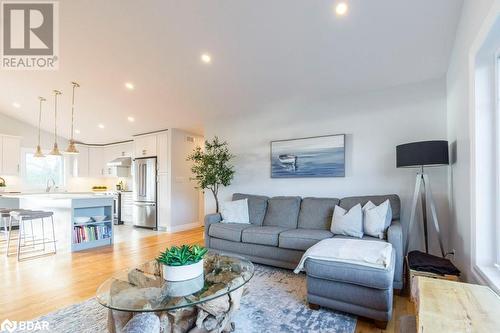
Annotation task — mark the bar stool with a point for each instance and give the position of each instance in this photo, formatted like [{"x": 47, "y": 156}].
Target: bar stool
[
  {"x": 24, "y": 216},
  {"x": 4, "y": 220}
]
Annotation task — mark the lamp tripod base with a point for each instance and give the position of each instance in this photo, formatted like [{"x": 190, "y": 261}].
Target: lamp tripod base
[{"x": 423, "y": 190}]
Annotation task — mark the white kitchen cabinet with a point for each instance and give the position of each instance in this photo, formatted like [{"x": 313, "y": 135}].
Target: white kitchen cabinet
[
  {"x": 145, "y": 146},
  {"x": 11, "y": 155},
  {"x": 162, "y": 152},
  {"x": 163, "y": 201},
  {"x": 96, "y": 162},
  {"x": 127, "y": 207},
  {"x": 81, "y": 162}
]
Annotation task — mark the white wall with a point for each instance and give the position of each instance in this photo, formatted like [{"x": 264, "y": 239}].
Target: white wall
[
  {"x": 185, "y": 199},
  {"x": 374, "y": 123},
  {"x": 459, "y": 81},
  {"x": 29, "y": 139}
]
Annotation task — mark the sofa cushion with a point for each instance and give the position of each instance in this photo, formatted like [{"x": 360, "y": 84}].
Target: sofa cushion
[
  {"x": 349, "y": 202},
  {"x": 316, "y": 213},
  {"x": 302, "y": 239},
  {"x": 257, "y": 206},
  {"x": 282, "y": 212},
  {"x": 265, "y": 235},
  {"x": 228, "y": 231},
  {"x": 351, "y": 273}
]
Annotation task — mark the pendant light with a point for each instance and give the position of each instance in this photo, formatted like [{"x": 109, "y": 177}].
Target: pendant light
[
  {"x": 55, "y": 151},
  {"x": 71, "y": 147},
  {"x": 38, "y": 151}
]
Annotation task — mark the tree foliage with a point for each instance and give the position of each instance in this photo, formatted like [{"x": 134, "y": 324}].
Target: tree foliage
[{"x": 211, "y": 167}]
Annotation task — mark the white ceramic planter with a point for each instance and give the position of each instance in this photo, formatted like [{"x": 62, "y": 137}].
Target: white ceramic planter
[{"x": 182, "y": 273}]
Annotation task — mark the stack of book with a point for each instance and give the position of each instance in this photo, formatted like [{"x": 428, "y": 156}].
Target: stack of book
[{"x": 91, "y": 233}]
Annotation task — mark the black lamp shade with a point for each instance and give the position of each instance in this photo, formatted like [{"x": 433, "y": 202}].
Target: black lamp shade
[{"x": 423, "y": 153}]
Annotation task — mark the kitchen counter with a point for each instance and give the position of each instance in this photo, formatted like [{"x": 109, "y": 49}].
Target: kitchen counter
[
  {"x": 67, "y": 207},
  {"x": 56, "y": 195}
]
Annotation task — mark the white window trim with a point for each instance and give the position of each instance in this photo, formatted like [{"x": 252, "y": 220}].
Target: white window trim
[{"x": 485, "y": 273}]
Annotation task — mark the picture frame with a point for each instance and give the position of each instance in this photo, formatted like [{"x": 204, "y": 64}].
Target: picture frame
[{"x": 309, "y": 157}]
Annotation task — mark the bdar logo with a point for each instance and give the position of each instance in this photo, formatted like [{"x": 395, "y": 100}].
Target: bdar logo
[{"x": 8, "y": 326}]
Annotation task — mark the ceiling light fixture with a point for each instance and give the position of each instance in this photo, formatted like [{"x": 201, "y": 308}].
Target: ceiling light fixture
[
  {"x": 131, "y": 119},
  {"x": 341, "y": 9},
  {"x": 71, "y": 147},
  {"x": 38, "y": 151},
  {"x": 206, "y": 58},
  {"x": 55, "y": 150},
  {"x": 101, "y": 126},
  {"x": 16, "y": 105},
  {"x": 129, "y": 85}
]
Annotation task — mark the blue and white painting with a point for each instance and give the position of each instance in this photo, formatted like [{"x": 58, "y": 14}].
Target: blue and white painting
[{"x": 322, "y": 156}]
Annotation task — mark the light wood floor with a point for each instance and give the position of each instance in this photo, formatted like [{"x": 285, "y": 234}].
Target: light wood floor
[{"x": 35, "y": 287}]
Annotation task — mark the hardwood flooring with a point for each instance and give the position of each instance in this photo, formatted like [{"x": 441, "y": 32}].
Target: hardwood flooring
[{"x": 35, "y": 287}]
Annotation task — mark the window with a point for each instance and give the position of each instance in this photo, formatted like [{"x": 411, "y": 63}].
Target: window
[{"x": 39, "y": 170}]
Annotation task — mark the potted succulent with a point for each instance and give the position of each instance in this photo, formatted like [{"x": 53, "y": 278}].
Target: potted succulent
[
  {"x": 180, "y": 263},
  {"x": 2, "y": 184}
]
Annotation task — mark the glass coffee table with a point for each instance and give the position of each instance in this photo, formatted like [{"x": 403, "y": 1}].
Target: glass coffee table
[{"x": 206, "y": 302}]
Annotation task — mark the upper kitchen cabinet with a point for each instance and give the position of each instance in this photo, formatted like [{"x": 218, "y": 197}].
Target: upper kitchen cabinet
[
  {"x": 96, "y": 162},
  {"x": 11, "y": 155},
  {"x": 145, "y": 146},
  {"x": 81, "y": 162},
  {"x": 162, "y": 152}
]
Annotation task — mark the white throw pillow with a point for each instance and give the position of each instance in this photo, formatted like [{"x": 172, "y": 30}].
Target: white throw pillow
[
  {"x": 349, "y": 223},
  {"x": 235, "y": 211},
  {"x": 376, "y": 219}
]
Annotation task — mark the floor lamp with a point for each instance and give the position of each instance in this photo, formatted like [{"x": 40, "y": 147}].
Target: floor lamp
[{"x": 419, "y": 155}]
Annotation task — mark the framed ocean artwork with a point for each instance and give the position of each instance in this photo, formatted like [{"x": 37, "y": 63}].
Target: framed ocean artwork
[{"x": 320, "y": 156}]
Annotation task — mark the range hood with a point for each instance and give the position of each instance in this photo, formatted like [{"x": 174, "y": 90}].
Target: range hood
[{"x": 125, "y": 162}]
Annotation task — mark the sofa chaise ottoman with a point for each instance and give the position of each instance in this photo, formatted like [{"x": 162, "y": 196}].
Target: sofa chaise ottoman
[{"x": 360, "y": 290}]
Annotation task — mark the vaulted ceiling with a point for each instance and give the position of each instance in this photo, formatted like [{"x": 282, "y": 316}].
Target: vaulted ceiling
[{"x": 262, "y": 52}]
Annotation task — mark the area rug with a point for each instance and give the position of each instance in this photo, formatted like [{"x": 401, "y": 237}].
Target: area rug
[{"x": 275, "y": 301}]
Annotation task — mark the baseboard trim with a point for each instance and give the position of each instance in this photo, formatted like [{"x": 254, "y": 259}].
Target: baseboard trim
[{"x": 183, "y": 227}]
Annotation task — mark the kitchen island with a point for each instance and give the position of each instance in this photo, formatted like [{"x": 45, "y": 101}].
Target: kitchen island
[{"x": 82, "y": 220}]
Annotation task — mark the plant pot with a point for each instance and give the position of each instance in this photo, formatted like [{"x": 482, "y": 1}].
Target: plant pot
[
  {"x": 183, "y": 273},
  {"x": 185, "y": 288}
]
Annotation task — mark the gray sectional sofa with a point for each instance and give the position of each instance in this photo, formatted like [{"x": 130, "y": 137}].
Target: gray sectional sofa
[{"x": 282, "y": 228}]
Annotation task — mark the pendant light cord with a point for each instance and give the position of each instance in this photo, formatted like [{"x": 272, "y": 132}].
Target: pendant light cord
[
  {"x": 40, "y": 118},
  {"x": 56, "y": 92},
  {"x": 75, "y": 85}
]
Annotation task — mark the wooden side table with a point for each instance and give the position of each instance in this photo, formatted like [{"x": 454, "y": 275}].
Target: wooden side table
[
  {"x": 448, "y": 307},
  {"x": 412, "y": 274}
]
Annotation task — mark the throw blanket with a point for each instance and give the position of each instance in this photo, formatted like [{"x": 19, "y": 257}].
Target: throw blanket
[{"x": 353, "y": 251}]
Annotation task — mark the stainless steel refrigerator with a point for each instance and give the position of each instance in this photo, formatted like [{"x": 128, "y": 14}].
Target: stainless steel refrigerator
[{"x": 145, "y": 192}]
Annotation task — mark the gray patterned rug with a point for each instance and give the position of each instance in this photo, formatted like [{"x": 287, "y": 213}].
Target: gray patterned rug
[{"x": 275, "y": 302}]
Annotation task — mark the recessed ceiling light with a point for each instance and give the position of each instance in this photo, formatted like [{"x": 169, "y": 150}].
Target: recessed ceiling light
[
  {"x": 131, "y": 119},
  {"x": 101, "y": 126},
  {"x": 206, "y": 58},
  {"x": 341, "y": 9},
  {"x": 16, "y": 105},
  {"x": 77, "y": 131},
  {"x": 129, "y": 85}
]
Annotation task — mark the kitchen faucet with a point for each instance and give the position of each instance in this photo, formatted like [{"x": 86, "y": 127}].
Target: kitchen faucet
[{"x": 50, "y": 187}]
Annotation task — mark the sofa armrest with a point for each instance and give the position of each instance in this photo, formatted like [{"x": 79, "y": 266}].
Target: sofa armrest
[
  {"x": 209, "y": 220},
  {"x": 395, "y": 237}
]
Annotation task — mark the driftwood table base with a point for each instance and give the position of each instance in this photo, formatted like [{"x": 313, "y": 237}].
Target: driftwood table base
[{"x": 210, "y": 317}]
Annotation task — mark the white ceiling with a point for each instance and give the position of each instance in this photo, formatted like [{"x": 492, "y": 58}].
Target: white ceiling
[{"x": 263, "y": 52}]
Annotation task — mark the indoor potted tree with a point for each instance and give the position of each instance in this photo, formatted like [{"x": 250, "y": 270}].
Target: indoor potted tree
[
  {"x": 180, "y": 263},
  {"x": 211, "y": 167}
]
